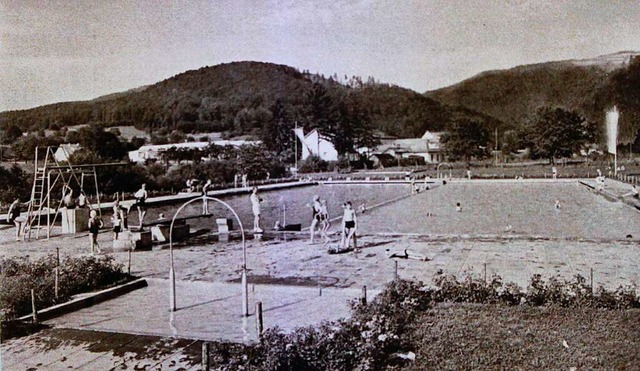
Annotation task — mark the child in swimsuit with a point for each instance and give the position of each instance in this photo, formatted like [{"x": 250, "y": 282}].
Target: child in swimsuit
[
  {"x": 349, "y": 225},
  {"x": 324, "y": 220}
]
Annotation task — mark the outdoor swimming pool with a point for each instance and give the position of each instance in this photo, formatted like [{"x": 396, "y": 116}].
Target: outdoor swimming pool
[
  {"x": 489, "y": 208},
  {"x": 290, "y": 203}
]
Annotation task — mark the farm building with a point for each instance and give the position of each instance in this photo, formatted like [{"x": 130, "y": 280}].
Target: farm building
[{"x": 427, "y": 147}]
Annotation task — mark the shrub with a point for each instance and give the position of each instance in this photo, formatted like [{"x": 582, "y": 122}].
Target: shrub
[
  {"x": 377, "y": 331},
  {"x": 76, "y": 275},
  {"x": 313, "y": 164}
]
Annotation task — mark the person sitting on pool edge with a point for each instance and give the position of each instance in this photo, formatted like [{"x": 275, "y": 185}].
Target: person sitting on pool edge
[
  {"x": 349, "y": 225},
  {"x": 633, "y": 192}
]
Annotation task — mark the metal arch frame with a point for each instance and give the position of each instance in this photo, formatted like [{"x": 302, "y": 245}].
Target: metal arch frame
[
  {"x": 447, "y": 164},
  {"x": 172, "y": 277}
]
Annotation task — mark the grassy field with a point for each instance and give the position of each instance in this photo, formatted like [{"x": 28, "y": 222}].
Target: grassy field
[{"x": 488, "y": 337}]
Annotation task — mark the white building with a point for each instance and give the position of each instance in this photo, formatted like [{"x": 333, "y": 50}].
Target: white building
[
  {"x": 428, "y": 147},
  {"x": 64, "y": 152},
  {"x": 316, "y": 144},
  {"x": 155, "y": 151}
]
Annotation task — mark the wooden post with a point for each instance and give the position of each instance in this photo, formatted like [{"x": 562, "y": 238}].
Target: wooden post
[
  {"x": 33, "y": 306},
  {"x": 364, "y": 295},
  {"x": 129, "y": 263},
  {"x": 395, "y": 274},
  {"x": 591, "y": 279},
  {"x": 319, "y": 290},
  {"x": 58, "y": 256},
  {"x": 56, "y": 280},
  {"x": 259, "y": 322},
  {"x": 485, "y": 272},
  {"x": 205, "y": 356}
]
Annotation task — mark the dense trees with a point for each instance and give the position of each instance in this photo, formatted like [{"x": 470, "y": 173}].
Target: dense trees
[
  {"x": 465, "y": 139},
  {"x": 624, "y": 91},
  {"x": 242, "y": 99},
  {"x": 560, "y": 133},
  {"x": 14, "y": 182}
]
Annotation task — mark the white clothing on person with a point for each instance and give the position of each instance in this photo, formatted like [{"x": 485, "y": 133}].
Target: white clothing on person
[{"x": 255, "y": 204}]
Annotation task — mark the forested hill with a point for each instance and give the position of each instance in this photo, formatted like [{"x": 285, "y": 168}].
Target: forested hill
[
  {"x": 586, "y": 86},
  {"x": 240, "y": 98}
]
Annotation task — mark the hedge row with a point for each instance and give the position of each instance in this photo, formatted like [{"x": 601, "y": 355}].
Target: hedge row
[
  {"x": 375, "y": 336},
  {"x": 18, "y": 276}
]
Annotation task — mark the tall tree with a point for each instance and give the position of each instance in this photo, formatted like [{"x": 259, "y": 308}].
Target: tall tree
[
  {"x": 11, "y": 133},
  {"x": 464, "y": 139},
  {"x": 560, "y": 133},
  {"x": 277, "y": 133},
  {"x": 322, "y": 112}
]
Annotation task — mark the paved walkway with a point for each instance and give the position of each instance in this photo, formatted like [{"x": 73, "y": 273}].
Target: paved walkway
[{"x": 211, "y": 311}]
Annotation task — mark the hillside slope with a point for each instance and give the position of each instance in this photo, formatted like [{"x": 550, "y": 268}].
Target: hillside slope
[
  {"x": 515, "y": 94},
  {"x": 239, "y": 98}
]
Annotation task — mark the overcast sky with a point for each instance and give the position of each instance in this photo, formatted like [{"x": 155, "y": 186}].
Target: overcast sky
[{"x": 52, "y": 51}]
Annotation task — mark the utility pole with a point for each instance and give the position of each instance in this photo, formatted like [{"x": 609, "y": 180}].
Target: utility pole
[
  {"x": 295, "y": 139},
  {"x": 496, "y": 146}
]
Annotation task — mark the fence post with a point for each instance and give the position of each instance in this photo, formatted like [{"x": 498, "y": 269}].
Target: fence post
[
  {"x": 57, "y": 256},
  {"x": 129, "y": 263},
  {"x": 319, "y": 290},
  {"x": 364, "y": 295},
  {"x": 259, "y": 322},
  {"x": 395, "y": 274},
  {"x": 591, "y": 277},
  {"x": 205, "y": 356},
  {"x": 485, "y": 273},
  {"x": 56, "y": 280},
  {"x": 33, "y": 306}
]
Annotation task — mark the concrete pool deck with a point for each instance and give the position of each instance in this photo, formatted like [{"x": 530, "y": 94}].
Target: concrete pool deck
[{"x": 293, "y": 268}]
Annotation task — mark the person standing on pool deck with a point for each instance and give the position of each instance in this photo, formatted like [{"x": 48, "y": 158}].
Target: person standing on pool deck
[
  {"x": 205, "y": 202},
  {"x": 554, "y": 172},
  {"x": 245, "y": 183},
  {"x": 141, "y": 203},
  {"x": 94, "y": 227},
  {"x": 325, "y": 223},
  {"x": 349, "y": 225},
  {"x": 13, "y": 216},
  {"x": 255, "y": 206},
  {"x": 317, "y": 209}
]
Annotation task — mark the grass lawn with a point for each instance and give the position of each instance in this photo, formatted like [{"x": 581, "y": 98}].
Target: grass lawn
[{"x": 482, "y": 336}]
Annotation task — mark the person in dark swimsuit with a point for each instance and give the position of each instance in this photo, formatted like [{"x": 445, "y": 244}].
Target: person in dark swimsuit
[
  {"x": 13, "y": 216},
  {"x": 141, "y": 203},
  {"x": 349, "y": 225},
  {"x": 94, "y": 225},
  {"x": 316, "y": 209},
  {"x": 325, "y": 223}
]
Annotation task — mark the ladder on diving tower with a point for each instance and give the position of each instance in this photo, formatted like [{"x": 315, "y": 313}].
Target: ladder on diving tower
[
  {"x": 39, "y": 195},
  {"x": 49, "y": 174},
  {"x": 39, "y": 210}
]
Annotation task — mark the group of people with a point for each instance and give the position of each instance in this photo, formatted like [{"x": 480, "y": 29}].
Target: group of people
[
  {"x": 240, "y": 177},
  {"x": 119, "y": 218},
  {"x": 320, "y": 217},
  {"x": 320, "y": 220}
]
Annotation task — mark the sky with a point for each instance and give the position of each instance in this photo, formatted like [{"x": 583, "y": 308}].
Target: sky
[{"x": 53, "y": 51}]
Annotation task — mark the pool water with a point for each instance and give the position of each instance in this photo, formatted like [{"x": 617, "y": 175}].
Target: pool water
[
  {"x": 508, "y": 208},
  {"x": 292, "y": 204}
]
